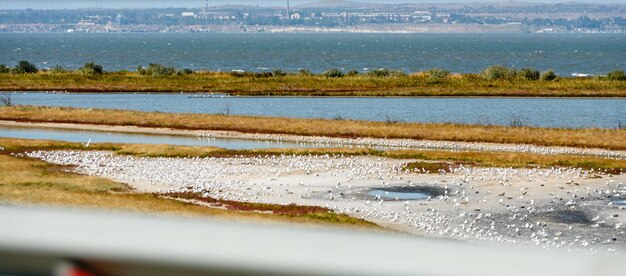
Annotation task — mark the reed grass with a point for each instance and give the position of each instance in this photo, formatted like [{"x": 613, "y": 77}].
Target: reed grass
[
  {"x": 584, "y": 138},
  {"x": 418, "y": 84}
]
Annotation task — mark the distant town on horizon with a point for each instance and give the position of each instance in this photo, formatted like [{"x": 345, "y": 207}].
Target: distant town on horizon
[
  {"x": 76, "y": 4},
  {"x": 328, "y": 16}
]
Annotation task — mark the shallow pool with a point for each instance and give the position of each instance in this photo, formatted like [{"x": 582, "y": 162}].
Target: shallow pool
[
  {"x": 85, "y": 136},
  {"x": 420, "y": 192},
  {"x": 386, "y": 195}
]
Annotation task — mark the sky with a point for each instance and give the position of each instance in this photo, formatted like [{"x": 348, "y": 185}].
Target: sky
[{"x": 71, "y": 4}]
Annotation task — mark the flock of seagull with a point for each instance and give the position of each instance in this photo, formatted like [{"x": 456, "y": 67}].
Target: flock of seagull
[
  {"x": 380, "y": 143},
  {"x": 551, "y": 208}
]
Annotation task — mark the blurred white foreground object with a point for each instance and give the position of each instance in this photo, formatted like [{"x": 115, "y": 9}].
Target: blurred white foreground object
[{"x": 39, "y": 241}]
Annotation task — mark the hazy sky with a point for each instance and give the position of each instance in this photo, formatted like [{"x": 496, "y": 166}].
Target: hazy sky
[{"x": 69, "y": 4}]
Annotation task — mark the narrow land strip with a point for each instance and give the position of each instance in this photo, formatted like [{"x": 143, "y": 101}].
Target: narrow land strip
[
  {"x": 376, "y": 144},
  {"x": 610, "y": 139},
  {"x": 449, "y": 158},
  {"x": 250, "y": 84}
]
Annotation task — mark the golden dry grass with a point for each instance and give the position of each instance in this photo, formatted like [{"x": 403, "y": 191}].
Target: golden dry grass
[
  {"x": 164, "y": 150},
  {"x": 584, "y": 138},
  {"x": 511, "y": 160},
  {"x": 418, "y": 84},
  {"x": 142, "y": 150}
]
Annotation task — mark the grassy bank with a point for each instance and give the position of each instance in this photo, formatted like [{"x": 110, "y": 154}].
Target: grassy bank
[
  {"x": 306, "y": 84},
  {"x": 505, "y": 160},
  {"x": 290, "y": 210},
  {"x": 432, "y": 160},
  {"x": 585, "y": 138},
  {"x": 40, "y": 183}
]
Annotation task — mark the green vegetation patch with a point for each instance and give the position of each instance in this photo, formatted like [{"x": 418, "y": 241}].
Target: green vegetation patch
[{"x": 492, "y": 81}]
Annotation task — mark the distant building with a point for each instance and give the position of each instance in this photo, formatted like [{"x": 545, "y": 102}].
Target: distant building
[
  {"x": 188, "y": 14},
  {"x": 218, "y": 15},
  {"x": 83, "y": 22}
]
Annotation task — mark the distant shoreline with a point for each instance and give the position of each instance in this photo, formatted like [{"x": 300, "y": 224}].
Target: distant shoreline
[
  {"x": 325, "y": 31},
  {"x": 235, "y": 96},
  {"x": 432, "y": 28}
]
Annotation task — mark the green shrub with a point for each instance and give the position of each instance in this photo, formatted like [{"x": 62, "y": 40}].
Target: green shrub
[
  {"x": 383, "y": 73},
  {"x": 91, "y": 68},
  {"x": 436, "y": 75},
  {"x": 156, "y": 70},
  {"x": 352, "y": 73},
  {"x": 398, "y": 74},
  {"x": 617, "y": 75},
  {"x": 241, "y": 73},
  {"x": 498, "y": 72},
  {"x": 57, "y": 69},
  {"x": 279, "y": 73},
  {"x": 379, "y": 73},
  {"x": 264, "y": 75},
  {"x": 4, "y": 69},
  {"x": 333, "y": 73},
  {"x": 305, "y": 72},
  {"x": 185, "y": 71},
  {"x": 548, "y": 75},
  {"x": 528, "y": 74},
  {"x": 24, "y": 67}
]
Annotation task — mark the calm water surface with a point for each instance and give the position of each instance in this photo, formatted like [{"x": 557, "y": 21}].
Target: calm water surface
[
  {"x": 83, "y": 136},
  {"x": 386, "y": 195},
  {"x": 542, "y": 112}
]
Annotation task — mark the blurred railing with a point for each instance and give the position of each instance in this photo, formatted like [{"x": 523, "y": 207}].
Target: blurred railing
[{"x": 69, "y": 242}]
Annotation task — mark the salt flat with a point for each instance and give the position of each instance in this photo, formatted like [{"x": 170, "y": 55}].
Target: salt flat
[{"x": 571, "y": 208}]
